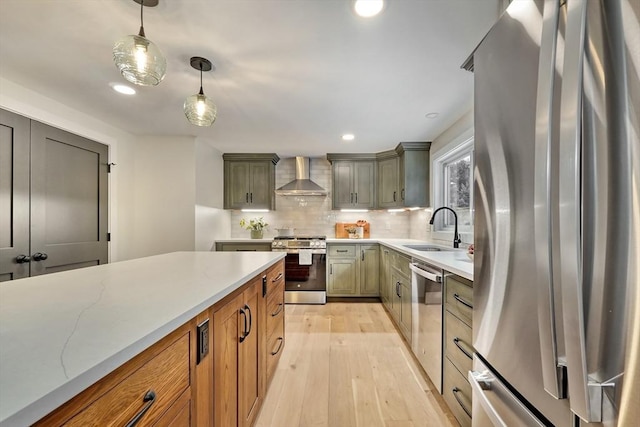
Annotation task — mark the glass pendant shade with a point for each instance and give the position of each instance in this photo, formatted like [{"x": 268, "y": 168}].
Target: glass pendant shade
[
  {"x": 139, "y": 60},
  {"x": 200, "y": 110}
]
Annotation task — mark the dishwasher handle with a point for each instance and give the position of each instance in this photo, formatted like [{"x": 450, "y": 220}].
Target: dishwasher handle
[{"x": 430, "y": 275}]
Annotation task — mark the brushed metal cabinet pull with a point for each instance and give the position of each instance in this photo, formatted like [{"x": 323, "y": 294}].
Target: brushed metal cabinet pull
[
  {"x": 467, "y": 303},
  {"x": 278, "y": 277},
  {"x": 456, "y": 341},
  {"x": 455, "y": 392}
]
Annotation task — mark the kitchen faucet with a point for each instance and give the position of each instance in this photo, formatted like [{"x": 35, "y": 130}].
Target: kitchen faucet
[{"x": 456, "y": 236}]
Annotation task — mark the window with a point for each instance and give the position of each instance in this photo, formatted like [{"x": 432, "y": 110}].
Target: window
[{"x": 453, "y": 187}]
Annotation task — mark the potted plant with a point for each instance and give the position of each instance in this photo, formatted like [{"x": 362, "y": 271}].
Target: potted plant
[{"x": 255, "y": 225}]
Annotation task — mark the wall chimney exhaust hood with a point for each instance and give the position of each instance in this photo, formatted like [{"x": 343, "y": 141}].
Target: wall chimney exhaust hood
[{"x": 302, "y": 185}]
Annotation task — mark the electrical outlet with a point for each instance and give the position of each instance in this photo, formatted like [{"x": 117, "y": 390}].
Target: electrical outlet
[{"x": 203, "y": 340}]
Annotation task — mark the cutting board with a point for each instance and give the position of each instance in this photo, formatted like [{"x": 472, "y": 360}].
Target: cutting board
[{"x": 342, "y": 233}]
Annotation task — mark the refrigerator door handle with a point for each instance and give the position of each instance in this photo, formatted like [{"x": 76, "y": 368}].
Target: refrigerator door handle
[
  {"x": 553, "y": 374},
  {"x": 586, "y": 393}
]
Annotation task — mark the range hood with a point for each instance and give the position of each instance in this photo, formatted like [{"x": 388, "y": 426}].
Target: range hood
[{"x": 302, "y": 185}]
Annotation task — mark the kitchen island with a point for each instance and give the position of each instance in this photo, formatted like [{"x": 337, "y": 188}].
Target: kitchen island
[{"x": 61, "y": 333}]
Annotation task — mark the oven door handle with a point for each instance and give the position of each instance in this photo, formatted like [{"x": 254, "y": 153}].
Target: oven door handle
[{"x": 430, "y": 275}]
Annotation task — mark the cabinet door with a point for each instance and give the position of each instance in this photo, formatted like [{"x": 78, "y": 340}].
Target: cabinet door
[
  {"x": 260, "y": 191},
  {"x": 14, "y": 195},
  {"x": 227, "y": 328},
  {"x": 237, "y": 184},
  {"x": 343, "y": 194},
  {"x": 369, "y": 270},
  {"x": 364, "y": 184},
  {"x": 388, "y": 193},
  {"x": 395, "y": 295},
  {"x": 249, "y": 395},
  {"x": 385, "y": 279},
  {"x": 414, "y": 178},
  {"x": 405, "y": 307},
  {"x": 342, "y": 277},
  {"x": 69, "y": 200}
]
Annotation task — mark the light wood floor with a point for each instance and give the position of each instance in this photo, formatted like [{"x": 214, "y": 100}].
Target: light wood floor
[{"x": 344, "y": 364}]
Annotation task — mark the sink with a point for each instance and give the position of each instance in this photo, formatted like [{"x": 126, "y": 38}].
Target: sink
[{"x": 427, "y": 248}]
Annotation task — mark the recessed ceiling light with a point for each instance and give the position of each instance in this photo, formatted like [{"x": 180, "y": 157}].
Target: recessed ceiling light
[
  {"x": 431, "y": 115},
  {"x": 368, "y": 8},
  {"x": 348, "y": 137},
  {"x": 126, "y": 90}
]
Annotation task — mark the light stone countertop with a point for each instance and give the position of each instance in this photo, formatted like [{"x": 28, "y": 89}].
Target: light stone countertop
[
  {"x": 455, "y": 261},
  {"x": 62, "y": 332}
]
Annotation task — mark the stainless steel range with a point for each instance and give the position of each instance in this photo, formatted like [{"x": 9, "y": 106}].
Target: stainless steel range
[{"x": 305, "y": 268}]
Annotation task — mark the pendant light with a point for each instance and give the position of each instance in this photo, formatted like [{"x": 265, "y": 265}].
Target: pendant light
[
  {"x": 198, "y": 108},
  {"x": 138, "y": 58}
]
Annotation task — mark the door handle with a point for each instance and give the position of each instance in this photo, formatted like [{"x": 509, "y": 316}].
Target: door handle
[
  {"x": 39, "y": 256},
  {"x": 455, "y": 392},
  {"x": 278, "y": 277},
  {"x": 251, "y": 197},
  {"x": 250, "y": 320},
  {"x": 280, "y": 307},
  {"x": 246, "y": 197},
  {"x": 356, "y": 198},
  {"x": 402, "y": 194},
  {"x": 21, "y": 259},
  {"x": 362, "y": 254},
  {"x": 394, "y": 196},
  {"x": 456, "y": 341},
  {"x": 244, "y": 329},
  {"x": 281, "y": 340}
]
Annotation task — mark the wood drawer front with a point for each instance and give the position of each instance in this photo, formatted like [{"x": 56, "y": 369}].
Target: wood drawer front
[
  {"x": 275, "y": 277},
  {"x": 457, "y": 342},
  {"x": 275, "y": 324},
  {"x": 453, "y": 380},
  {"x": 459, "y": 298},
  {"x": 275, "y": 345},
  {"x": 179, "y": 414},
  {"x": 275, "y": 296},
  {"x": 167, "y": 374},
  {"x": 342, "y": 251}
]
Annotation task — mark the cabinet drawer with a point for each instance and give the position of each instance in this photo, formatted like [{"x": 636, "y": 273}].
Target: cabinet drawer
[
  {"x": 459, "y": 299},
  {"x": 275, "y": 345},
  {"x": 275, "y": 320},
  {"x": 275, "y": 295},
  {"x": 167, "y": 375},
  {"x": 342, "y": 251},
  {"x": 275, "y": 276},
  {"x": 401, "y": 263},
  {"x": 457, "y": 342},
  {"x": 457, "y": 393}
]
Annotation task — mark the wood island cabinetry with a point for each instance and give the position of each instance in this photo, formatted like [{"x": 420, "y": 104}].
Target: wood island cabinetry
[{"x": 213, "y": 370}]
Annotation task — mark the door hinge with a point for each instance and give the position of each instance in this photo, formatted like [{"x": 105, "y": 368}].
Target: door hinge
[
  {"x": 109, "y": 167},
  {"x": 108, "y": 237}
]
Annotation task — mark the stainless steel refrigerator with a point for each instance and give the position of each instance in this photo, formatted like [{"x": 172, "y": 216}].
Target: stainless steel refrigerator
[{"x": 556, "y": 319}]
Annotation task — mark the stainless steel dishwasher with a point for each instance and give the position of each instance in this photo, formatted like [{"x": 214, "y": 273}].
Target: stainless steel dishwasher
[{"x": 426, "y": 318}]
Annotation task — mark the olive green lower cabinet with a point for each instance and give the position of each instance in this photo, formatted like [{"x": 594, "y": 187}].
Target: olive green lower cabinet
[
  {"x": 353, "y": 270},
  {"x": 458, "y": 347}
]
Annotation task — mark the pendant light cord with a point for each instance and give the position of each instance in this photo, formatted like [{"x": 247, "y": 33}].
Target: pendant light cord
[
  {"x": 201, "y": 91},
  {"x": 141, "y": 32}
]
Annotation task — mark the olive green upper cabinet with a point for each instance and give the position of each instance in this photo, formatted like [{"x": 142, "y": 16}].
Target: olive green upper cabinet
[
  {"x": 250, "y": 180},
  {"x": 353, "y": 180},
  {"x": 403, "y": 176},
  {"x": 388, "y": 179}
]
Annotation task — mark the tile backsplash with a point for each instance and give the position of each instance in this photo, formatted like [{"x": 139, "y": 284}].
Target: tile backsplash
[{"x": 312, "y": 215}]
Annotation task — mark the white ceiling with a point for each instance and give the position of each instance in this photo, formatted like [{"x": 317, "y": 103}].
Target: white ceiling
[{"x": 291, "y": 75}]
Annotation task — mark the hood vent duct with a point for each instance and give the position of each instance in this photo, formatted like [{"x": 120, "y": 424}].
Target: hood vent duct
[{"x": 302, "y": 185}]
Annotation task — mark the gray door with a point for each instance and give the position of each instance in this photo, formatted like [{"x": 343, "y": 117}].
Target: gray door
[
  {"x": 14, "y": 196},
  {"x": 68, "y": 200}
]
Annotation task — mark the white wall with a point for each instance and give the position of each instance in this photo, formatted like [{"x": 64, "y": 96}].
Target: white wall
[
  {"x": 164, "y": 195},
  {"x": 30, "y": 104},
  {"x": 457, "y": 133},
  {"x": 211, "y": 221}
]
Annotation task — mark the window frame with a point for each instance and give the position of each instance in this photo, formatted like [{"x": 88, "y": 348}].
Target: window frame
[{"x": 450, "y": 154}]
